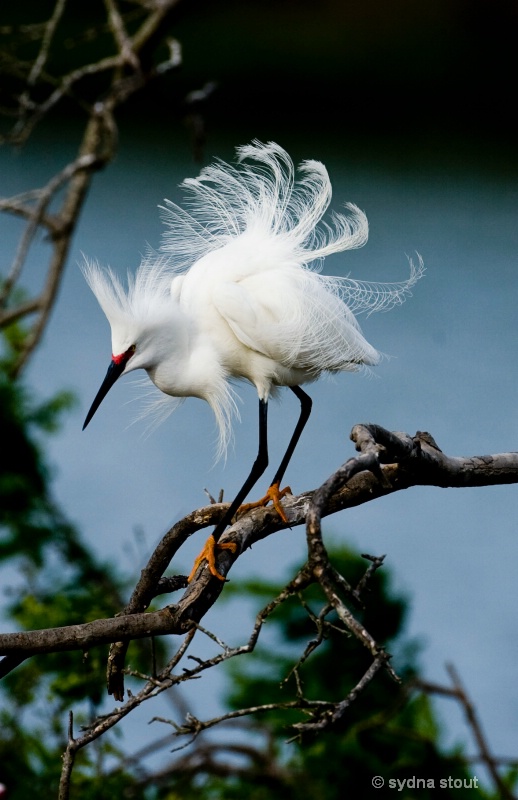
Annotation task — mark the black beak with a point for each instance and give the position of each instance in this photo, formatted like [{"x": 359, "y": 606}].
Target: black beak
[{"x": 114, "y": 371}]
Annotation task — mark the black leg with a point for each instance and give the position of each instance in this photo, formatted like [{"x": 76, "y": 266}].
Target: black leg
[
  {"x": 260, "y": 464},
  {"x": 305, "y": 410}
]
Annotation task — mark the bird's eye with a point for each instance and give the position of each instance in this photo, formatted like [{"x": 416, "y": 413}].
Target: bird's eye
[{"x": 131, "y": 350}]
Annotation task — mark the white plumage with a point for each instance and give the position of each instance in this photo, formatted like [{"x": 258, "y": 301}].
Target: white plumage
[{"x": 235, "y": 291}]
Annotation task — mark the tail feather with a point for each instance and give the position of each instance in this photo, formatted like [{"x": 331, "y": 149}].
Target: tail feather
[{"x": 366, "y": 297}]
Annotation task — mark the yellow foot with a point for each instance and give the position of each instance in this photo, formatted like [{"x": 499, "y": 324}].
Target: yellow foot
[
  {"x": 209, "y": 553},
  {"x": 274, "y": 494}
]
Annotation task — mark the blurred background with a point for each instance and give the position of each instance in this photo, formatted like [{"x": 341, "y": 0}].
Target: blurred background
[{"x": 411, "y": 107}]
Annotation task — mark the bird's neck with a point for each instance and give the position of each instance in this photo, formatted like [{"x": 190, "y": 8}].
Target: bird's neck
[{"x": 186, "y": 364}]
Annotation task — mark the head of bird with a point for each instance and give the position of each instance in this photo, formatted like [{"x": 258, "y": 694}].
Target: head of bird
[
  {"x": 132, "y": 349},
  {"x": 146, "y": 331}
]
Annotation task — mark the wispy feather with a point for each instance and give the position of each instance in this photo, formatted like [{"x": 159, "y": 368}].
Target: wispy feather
[{"x": 236, "y": 290}]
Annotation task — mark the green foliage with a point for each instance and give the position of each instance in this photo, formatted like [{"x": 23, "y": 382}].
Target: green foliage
[
  {"x": 29, "y": 766},
  {"x": 387, "y": 732},
  {"x": 28, "y": 518},
  {"x": 60, "y": 582},
  {"x": 55, "y": 580}
]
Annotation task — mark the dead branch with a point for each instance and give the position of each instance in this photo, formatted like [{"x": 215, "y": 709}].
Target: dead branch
[
  {"x": 191, "y": 726},
  {"x": 458, "y": 692},
  {"x": 215, "y": 758},
  {"x": 102, "y": 724},
  {"x": 128, "y": 70},
  {"x": 388, "y": 462}
]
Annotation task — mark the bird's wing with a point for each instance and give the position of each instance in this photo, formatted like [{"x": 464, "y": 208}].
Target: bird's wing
[
  {"x": 245, "y": 315},
  {"x": 176, "y": 286},
  {"x": 293, "y": 317}
]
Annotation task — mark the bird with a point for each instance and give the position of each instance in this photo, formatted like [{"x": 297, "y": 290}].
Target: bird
[{"x": 236, "y": 293}]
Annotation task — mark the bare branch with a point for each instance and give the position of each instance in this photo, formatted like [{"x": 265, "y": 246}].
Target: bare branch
[
  {"x": 387, "y": 462},
  {"x": 121, "y": 37},
  {"x": 419, "y": 464},
  {"x": 330, "y": 717},
  {"x": 193, "y": 726},
  {"x": 102, "y": 724},
  {"x": 458, "y": 692},
  {"x": 50, "y": 30},
  {"x": 128, "y": 70},
  {"x": 377, "y": 562}
]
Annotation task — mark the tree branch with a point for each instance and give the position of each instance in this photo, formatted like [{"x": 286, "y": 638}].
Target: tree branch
[
  {"x": 128, "y": 70},
  {"x": 388, "y": 462},
  {"x": 459, "y": 693}
]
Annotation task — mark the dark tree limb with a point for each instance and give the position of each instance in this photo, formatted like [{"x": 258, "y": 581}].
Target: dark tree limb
[
  {"x": 458, "y": 692},
  {"x": 388, "y": 462},
  {"x": 126, "y": 71},
  {"x": 102, "y": 724}
]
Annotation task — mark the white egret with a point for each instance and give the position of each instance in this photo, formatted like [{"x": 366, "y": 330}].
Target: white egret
[{"x": 235, "y": 293}]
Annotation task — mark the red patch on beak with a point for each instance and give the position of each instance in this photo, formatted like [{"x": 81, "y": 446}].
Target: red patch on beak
[{"x": 124, "y": 357}]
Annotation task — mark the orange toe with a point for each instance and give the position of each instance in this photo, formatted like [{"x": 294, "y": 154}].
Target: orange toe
[
  {"x": 209, "y": 554},
  {"x": 273, "y": 495}
]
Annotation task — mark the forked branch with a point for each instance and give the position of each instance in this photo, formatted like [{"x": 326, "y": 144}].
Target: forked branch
[
  {"x": 388, "y": 462},
  {"x": 126, "y": 71}
]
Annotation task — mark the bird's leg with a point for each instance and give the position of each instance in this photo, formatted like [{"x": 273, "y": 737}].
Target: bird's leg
[
  {"x": 274, "y": 493},
  {"x": 259, "y": 466}
]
